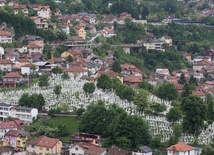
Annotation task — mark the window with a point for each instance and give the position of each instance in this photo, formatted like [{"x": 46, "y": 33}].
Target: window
[
  {"x": 47, "y": 149},
  {"x": 76, "y": 148},
  {"x": 40, "y": 148},
  {"x": 32, "y": 146}
]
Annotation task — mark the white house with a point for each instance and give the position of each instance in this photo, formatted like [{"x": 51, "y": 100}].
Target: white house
[
  {"x": 154, "y": 45},
  {"x": 180, "y": 149},
  {"x": 143, "y": 150},
  {"x": 25, "y": 114},
  {"x": 76, "y": 72},
  {"x": 44, "y": 12},
  {"x": 77, "y": 149},
  {"x": 1, "y": 52},
  {"x": 26, "y": 69},
  {"x": 6, "y": 64},
  {"x": 6, "y": 37}
]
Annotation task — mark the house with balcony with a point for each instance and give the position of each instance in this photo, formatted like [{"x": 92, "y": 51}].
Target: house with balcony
[
  {"x": 40, "y": 22},
  {"x": 11, "y": 125},
  {"x": 44, "y": 145},
  {"x": 93, "y": 139},
  {"x": 36, "y": 40},
  {"x": 44, "y": 12},
  {"x": 17, "y": 138},
  {"x": 107, "y": 32},
  {"x": 11, "y": 79},
  {"x": 25, "y": 114},
  {"x": 154, "y": 45},
  {"x": 6, "y": 37}
]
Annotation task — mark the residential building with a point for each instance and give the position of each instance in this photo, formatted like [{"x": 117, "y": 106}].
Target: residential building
[
  {"x": 11, "y": 79},
  {"x": 21, "y": 48},
  {"x": 44, "y": 145},
  {"x": 132, "y": 80},
  {"x": 17, "y": 138},
  {"x": 26, "y": 69},
  {"x": 6, "y": 64},
  {"x": 202, "y": 64},
  {"x": 180, "y": 149},
  {"x": 34, "y": 48},
  {"x": 187, "y": 56},
  {"x": 154, "y": 45},
  {"x": 11, "y": 125},
  {"x": 44, "y": 12},
  {"x": 79, "y": 148},
  {"x": 107, "y": 32},
  {"x": 164, "y": 71},
  {"x": 23, "y": 8},
  {"x": 127, "y": 69},
  {"x": 25, "y": 114},
  {"x": 117, "y": 151},
  {"x": 143, "y": 150},
  {"x": 65, "y": 28},
  {"x": 80, "y": 30},
  {"x": 86, "y": 138},
  {"x": 96, "y": 151},
  {"x": 40, "y": 22},
  {"x": 6, "y": 37},
  {"x": 6, "y": 150},
  {"x": 36, "y": 40},
  {"x": 76, "y": 72}
]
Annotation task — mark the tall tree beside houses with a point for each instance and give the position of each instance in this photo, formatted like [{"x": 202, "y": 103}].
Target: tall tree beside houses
[
  {"x": 167, "y": 91},
  {"x": 89, "y": 87},
  {"x": 104, "y": 82},
  {"x": 182, "y": 79},
  {"x": 43, "y": 81}
]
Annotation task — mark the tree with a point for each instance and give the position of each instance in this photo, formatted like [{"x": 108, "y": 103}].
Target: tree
[
  {"x": 104, "y": 82},
  {"x": 64, "y": 107},
  {"x": 174, "y": 115},
  {"x": 145, "y": 85},
  {"x": 210, "y": 110},
  {"x": 65, "y": 76},
  {"x": 24, "y": 99},
  {"x": 69, "y": 58},
  {"x": 141, "y": 99},
  {"x": 194, "y": 111},
  {"x": 89, "y": 87},
  {"x": 116, "y": 67},
  {"x": 122, "y": 134},
  {"x": 167, "y": 91},
  {"x": 97, "y": 118},
  {"x": 157, "y": 107},
  {"x": 57, "y": 90},
  {"x": 186, "y": 91},
  {"x": 182, "y": 79},
  {"x": 56, "y": 70},
  {"x": 1, "y": 74},
  {"x": 43, "y": 80},
  {"x": 193, "y": 80},
  {"x": 125, "y": 92},
  {"x": 116, "y": 83}
]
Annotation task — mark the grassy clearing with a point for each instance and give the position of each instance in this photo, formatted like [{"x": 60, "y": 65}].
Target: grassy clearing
[{"x": 71, "y": 123}]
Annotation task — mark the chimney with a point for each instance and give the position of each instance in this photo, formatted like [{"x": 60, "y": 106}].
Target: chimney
[{"x": 52, "y": 56}]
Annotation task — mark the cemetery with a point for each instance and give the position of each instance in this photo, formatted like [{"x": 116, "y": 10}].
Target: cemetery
[{"x": 73, "y": 94}]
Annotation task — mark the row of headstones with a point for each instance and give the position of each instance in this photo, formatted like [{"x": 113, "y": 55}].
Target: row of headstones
[{"x": 159, "y": 124}]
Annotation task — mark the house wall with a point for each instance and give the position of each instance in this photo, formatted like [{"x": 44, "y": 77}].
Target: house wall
[
  {"x": 76, "y": 150},
  {"x": 76, "y": 76},
  {"x": 25, "y": 70},
  {"x": 6, "y": 39},
  {"x": 44, "y": 13},
  {"x": 43, "y": 150},
  {"x": 140, "y": 153},
  {"x": 192, "y": 152},
  {"x": 11, "y": 79},
  {"x": 23, "y": 49},
  {"x": 3, "y": 131},
  {"x": 5, "y": 67},
  {"x": 11, "y": 140},
  {"x": 30, "y": 148},
  {"x": 22, "y": 141},
  {"x": 34, "y": 50},
  {"x": 38, "y": 42}
]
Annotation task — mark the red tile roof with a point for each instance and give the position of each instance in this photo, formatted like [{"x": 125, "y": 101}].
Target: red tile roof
[
  {"x": 5, "y": 33},
  {"x": 13, "y": 133},
  {"x": 117, "y": 151},
  {"x": 75, "y": 69},
  {"x": 12, "y": 75},
  {"x": 5, "y": 61},
  {"x": 199, "y": 93},
  {"x": 180, "y": 147},
  {"x": 95, "y": 151},
  {"x": 44, "y": 141},
  {"x": 43, "y": 7},
  {"x": 32, "y": 45},
  {"x": 133, "y": 79},
  {"x": 12, "y": 124}
]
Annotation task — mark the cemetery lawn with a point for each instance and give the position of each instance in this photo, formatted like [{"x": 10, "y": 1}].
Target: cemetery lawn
[{"x": 71, "y": 123}]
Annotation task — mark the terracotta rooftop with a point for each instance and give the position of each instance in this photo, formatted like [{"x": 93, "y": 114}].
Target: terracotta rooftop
[
  {"x": 32, "y": 45},
  {"x": 75, "y": 69},
  {"x": 12, "y": 75},
  {"x": 95, "y": 151},
  {"x": 180, "y": 147},
  {"x": 44, "y": 141},
  {"x": 12, "y": 124},
  {"x": 5, "y": 33},
  {"x": 133, "y": 79},
  {"x": 117, "y": 151},
  {"x": 5, "y": 61},
  {"x": 199, "y": 93}
]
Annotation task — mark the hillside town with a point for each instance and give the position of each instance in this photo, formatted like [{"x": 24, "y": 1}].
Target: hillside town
[{"x": 71, "y": 82}]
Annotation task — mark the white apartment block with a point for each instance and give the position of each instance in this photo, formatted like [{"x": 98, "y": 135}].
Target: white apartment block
[{"x": 25, "y": 114}]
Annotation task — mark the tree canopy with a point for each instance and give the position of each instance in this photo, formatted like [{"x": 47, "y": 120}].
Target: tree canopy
[{"x": 167, "y": 91}]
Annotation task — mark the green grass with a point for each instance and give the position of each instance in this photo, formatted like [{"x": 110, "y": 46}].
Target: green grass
[{"x": 71, "y": 123}]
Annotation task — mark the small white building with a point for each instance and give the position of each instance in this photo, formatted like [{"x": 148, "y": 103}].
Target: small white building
[
  {"x": 6, "y": 37},
  {"x": 1, "y": 52},
  {"x": 77, "y": 149},
  {"x": 107, "y": 32},
  {"x": 44, "y": 12},
  {"x": 25, "y": 114}
]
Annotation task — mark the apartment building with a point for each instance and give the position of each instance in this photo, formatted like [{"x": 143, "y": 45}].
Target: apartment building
[{"x": 25, "y": 114}]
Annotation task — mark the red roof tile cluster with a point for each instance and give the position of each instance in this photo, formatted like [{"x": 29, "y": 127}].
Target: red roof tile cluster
[
  {"x": 130, "y": 67},
  {"x": 95, "y": 151},
  {"x": 44, "y": 141},
  {"x": 133, "y": 79},
  {"x": 117, "y": 151},
  {"x": 12, "y": 124},
  {"x": 5, "y": 33},
  {"x": 199, "y": 93},
  {"x": 12, "y": 75},
  {"x": 43, "y": 7},
  {"x": 5, "y": 61},
  {"x": 180, "y": 147}
]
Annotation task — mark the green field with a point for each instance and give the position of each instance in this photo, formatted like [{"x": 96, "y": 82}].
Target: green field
[{"x": 71, "y": 123}]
